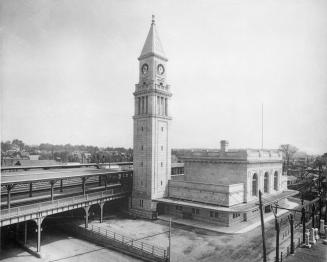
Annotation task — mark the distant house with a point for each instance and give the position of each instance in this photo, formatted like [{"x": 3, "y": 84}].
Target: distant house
[{"x": 34, "y": 157}]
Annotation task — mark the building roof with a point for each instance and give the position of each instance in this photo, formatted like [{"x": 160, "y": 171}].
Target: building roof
[
  {"x": 232, "y": 155},
  {"x": 152, "y": 45},
  {"x": 244, "y": 207},
  {"x": 23, "y": 177}
]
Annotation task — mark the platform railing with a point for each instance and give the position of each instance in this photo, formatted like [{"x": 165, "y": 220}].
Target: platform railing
[
  {"x": 124, "y": 241},
  {"x": 42, "y": 206}
]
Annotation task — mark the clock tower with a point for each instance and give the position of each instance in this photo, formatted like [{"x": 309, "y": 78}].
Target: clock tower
[{"x": 151, "y": 150}]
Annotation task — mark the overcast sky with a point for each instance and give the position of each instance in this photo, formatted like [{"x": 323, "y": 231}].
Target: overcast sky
[{"x": 68, "y": 70}]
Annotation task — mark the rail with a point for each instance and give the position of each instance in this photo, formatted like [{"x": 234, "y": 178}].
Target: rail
[
  {"x": 98, "y": 165},
  {"x": 112, "y": 238},
  {"x": 42, "y": 206}
]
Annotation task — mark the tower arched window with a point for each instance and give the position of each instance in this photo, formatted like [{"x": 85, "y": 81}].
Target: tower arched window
[
  {"x": 142, "y": 104},
  {"x": 254, "y": 184},
  {"x": 139, "y": 106},
  {"x": 266, "y": 183},
  {"x": 162, "y": 106},
  {"x": 166, "y": 107},
  {"x": 276, "y": 181},
  {"x": 146, "y": 104}
]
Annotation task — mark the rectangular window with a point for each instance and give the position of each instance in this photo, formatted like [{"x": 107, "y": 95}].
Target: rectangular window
[
  {"x": 193, "y": 210},
  {"x": 158, "y": 105},
  {"x": 211, "y": 213},
  {"x": 179, "y": 208},
  {"x": 216, "y": 214},
  {"x": 197, "y": 211}
]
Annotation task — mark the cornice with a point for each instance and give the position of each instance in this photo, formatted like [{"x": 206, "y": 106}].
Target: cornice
[
  {"x": 145, "y": 116},
  {"x": 152, "y": 54},
  {"x": 152, "y": 91}
]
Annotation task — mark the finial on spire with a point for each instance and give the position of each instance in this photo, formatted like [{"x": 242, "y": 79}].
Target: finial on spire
[{"x": 153, "y": 21}]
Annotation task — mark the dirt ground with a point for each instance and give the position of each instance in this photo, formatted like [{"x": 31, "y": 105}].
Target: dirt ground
[
  {"x": 190, "y": 244},
  {"x": 58, "y": 247}
]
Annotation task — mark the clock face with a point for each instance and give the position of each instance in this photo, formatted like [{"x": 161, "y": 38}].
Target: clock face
[
  {"x": 161, "y": 69},
  {"x": 145, "y": 68}
]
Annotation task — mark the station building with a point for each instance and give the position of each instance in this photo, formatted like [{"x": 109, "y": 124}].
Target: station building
[
  {"x": 218, "y": 186},
  {"x": 222, "y": 186}
]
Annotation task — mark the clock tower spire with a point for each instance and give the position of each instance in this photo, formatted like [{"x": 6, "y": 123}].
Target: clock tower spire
[{"x": 151, "y": 149}]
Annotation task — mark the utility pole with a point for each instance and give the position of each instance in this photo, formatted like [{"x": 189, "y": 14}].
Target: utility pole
[
  {"x": 277, "y": 227},
  {"x": 262, "y": 228},
  {"x": 291, "y": 220},
  {"x": 303, "y": 223},
  {"x": 313, "y": 215},
  {"x": 169, "y": 246}
]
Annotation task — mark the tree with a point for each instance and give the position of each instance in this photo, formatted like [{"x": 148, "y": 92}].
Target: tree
[
  {"x": 288, "y": 152},
  {"x": 18, "y": 143},
  {"x": 5, "y": 146}
]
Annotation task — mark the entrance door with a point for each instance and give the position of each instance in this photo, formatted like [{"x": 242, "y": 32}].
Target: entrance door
[{"x": 268, "y": 209}]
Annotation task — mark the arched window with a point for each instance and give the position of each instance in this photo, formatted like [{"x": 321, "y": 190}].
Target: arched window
[
  {"x": 254, "y": 185},
  {"x": 266, "y": 183},
  {"x": 276, "y": 181}
]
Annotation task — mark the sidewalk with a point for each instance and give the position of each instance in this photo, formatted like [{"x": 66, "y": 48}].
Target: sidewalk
[
  {"x": 239, "y": 228},
  {"x": 317, "y": 253}
]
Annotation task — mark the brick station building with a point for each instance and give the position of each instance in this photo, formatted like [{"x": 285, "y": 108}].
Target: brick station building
[{"x": 222, "y": 186}]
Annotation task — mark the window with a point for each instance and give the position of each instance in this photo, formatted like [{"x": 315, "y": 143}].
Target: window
[
  {"x": 166, "y": 107},
  {"x": 195, "y": 211},
  {"x": 211, "y": 213},
  {"x": 235, "y": 215},
  {"x": 141, "y": 163},
  {"x": 162, "y": 129},
  {"x": 142, "y": 108},
  {"x": 162, "y": 106},
  {"x": 276, "y": 181},
  {"x": 138, "y": 105},
  {"x": 142, "y": 128},
  {"x": 216, "y": 214},
  {"x": 179, "y": 208},
  {"x": 266, "y": 183},
  {"x": 254, "y": 184},
  {"x": 146, "y": 104},
  {"x": 141, "y": 147},
  {"x": 161, "y": 148},
  {"x": 161, "y": 164},
  {"x": 141, "y": 202},
  {"x": 161, "y": 182}
]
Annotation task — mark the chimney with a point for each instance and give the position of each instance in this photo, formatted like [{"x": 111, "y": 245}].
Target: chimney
[{"x": 223, "y": 146}]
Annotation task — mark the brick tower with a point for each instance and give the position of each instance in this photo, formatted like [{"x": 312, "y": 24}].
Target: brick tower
[{"x": 152, "y": 154}]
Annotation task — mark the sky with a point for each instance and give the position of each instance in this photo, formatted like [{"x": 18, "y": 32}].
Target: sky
[{"x": 68, "y": 69}]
